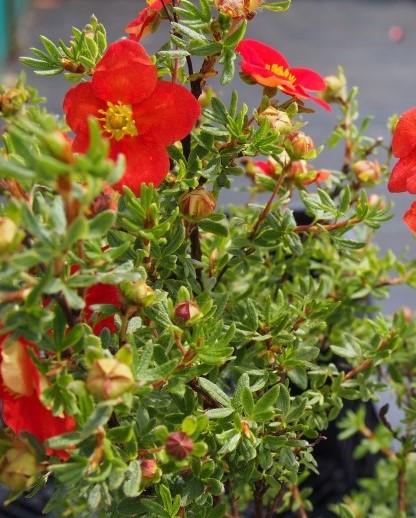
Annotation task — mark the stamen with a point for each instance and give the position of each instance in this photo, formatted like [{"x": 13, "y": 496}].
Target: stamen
[
  {"x": 118, "y": 120},
  {"x": 281, "y": 71}
]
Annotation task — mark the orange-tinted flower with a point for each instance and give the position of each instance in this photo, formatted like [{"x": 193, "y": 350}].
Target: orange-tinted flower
[
  {"x": 410, "y": 217},
  {"x": 403, "y": 176},
  {"x": 147, "y": 20},
  {"x": 21, "y": 385},
  {"x": 139, "y": 114},
  {"x": 268, "y": 67}
]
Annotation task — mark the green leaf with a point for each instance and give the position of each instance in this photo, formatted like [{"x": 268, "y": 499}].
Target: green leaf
[
  {"x": 234, "y": 38},
  {"x": 206, "y": 50},
  {"x": 277, "y": 7},
  {"x": 215, "y": 392},
  {"x": 227, "y": 60},
  {"x": 283, "y": 401},
  {"x": 267, "y": 401},
  {"x": 131, "y": 486},
  {"x": 101, "y": 224},
  {"x": 183, "y": 29},
  {"x": 219, "y": 413},
  {"x": 247, "y": 401},
  {"x": 219, "y": 228}
]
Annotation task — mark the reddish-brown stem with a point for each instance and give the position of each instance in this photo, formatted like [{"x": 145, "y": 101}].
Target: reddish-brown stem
[
  {"x": 266, "y": 210},
  {"x": 329, "y": 227}
]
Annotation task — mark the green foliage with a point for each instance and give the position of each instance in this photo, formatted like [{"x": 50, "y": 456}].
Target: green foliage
[{"x": 245, "y": 331}]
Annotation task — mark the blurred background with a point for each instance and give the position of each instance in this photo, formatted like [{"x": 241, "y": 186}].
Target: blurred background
[{"x": 373, "y": 40}]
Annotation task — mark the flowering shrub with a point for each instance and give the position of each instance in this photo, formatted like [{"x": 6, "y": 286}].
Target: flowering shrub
[{"x": 163, "y": 354}]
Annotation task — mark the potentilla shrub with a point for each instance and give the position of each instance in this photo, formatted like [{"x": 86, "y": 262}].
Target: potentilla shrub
[{"x": 165, "y": 355}]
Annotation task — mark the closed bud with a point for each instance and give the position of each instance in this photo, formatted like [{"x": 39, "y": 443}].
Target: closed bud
[
  {"x": 187, "y": 312},
  {"x": 301, "y": 145},
  {"x": 336, "y": 89},
  {"x": 179, "y": 445},
  {"x": 12, "y": 101},
  {"x": 149, "y": 469},
  {"x": 18, "y": 469},
  {"x": 367, "y": 171},
  {"x": 197, "y": 204},
  {"x": 278, "y": 119},
  {"x": 139, "y": 292},
  {"x": 9, "y": 235},
  {"x": 109, "y": 378},
  {"x": 60, "y": 146},
  {"x": 374, "y": 199}
]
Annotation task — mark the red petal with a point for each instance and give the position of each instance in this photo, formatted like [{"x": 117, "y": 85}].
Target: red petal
[
  {"x": 404, "y": 136},
  {"x": 125, "y": 73},
  {"x": 401, "y": 174},
  {"x": 102, "y": 294},
  {"x": 146, "y": 19},
  {"x": 300, "y": 92},
  {"x": 410, "y": 217},
  {"x": 146, "y": 161},
  {"x": 80, "y": 103},
  {"x": 309, "y": 79},
  {"x": 168, "y": 115},
  {"x": 256, "y": 53}
]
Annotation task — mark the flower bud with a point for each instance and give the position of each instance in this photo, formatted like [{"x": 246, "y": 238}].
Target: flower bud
[
  {"x": 12, "y": 101},
  {"x": 9, "y": 235},
  {"x": 109, "y": 378},
  {"x": 18, "y": 469},
  {"x": 149, "y": 469},
  {"x": 367, "y": 171},
  {"x": 179, "y": 445},
  {"x": 187, "y": 312},
  {"x": 279, "y": 120},
  {"x": 301, "y": 144},
  {"x": 138, "y": 292},
  {"x": 197, "y": 204},
  {"x": 375, "y": 199},
  {"x": 336, "y": 88},
  {"x": 60, "y": 146}
]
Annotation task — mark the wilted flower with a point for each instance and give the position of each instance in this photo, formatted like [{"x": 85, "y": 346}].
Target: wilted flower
[
  {"x": 197, "y": 204},
  {"x": 301, "y": 144},
  {"x": 367, "y": 171},
  {"x": 18, "y": 469},
  {"x": 237, "y": 8},
  {"x": 21, "y": 386},
  {"x": 279, "y": 120},
  {"x": 147, "y": 20},
  {"x": 268, "y": 67},
  {"x": 139, "y": 114},
  {"x": 109, "y": 378}
]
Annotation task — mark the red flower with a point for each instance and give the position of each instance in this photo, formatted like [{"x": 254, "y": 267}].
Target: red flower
[
  {"x": 102, "y": 294},
  {"x": 268, "y": 67},
  {"x": 147, "y": 20},
  {"x": 410, "y": 217},
  {"x": 403, "y": 176},
  {"x": 140, "y": 114},
  {"x": 21, "y": 385}
]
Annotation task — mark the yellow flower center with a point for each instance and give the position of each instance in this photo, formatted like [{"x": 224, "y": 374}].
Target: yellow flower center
[
  {"x": 118, "y": 120},
  {"x": 281, "y": 71}
]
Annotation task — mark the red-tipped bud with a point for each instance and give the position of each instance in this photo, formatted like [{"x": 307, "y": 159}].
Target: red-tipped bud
[
  {"x": 278, "y": 119},
  {"x": 187, "y": 312},
  {"x": 179, "y": 445},
  {"x": 18, "y": 469},
  {"x": 197, "y": 204},
  {"x": 301, "y": 145},
  {"x": 367, "y": 171},
  {"x": 149, "y": 469},
  {"x": 109, "y": 378}
]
